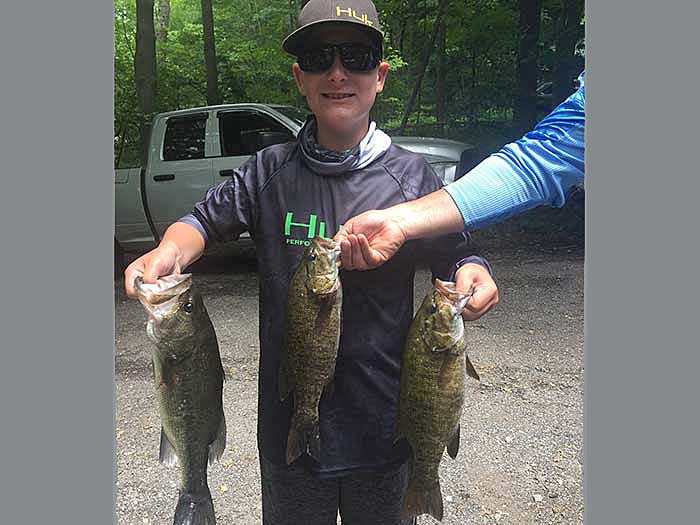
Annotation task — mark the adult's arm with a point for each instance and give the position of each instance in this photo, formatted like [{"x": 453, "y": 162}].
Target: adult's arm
[{"x": 539, "y": 169}]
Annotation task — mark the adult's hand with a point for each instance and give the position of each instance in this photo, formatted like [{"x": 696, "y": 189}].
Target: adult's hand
[
  {"x": 484, "y": 290},
  {"x": 372, "y": 238},
  {"x": 369, "y": 240}
]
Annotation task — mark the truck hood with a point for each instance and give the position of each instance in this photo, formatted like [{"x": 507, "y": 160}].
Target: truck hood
[{"x": 433, "y": 149}]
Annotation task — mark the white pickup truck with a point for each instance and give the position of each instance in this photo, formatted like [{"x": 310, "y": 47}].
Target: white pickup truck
[{"x": 191, "y": 150}]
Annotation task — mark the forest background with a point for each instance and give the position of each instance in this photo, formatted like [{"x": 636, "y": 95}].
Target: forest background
[{"x": 480, "y": 71}]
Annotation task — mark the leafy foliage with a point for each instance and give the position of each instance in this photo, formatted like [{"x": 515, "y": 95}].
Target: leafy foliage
[{"x": 479, "y": 80}]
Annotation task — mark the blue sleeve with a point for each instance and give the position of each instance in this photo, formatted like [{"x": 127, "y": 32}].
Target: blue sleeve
[{"x": 539, "y": 169}]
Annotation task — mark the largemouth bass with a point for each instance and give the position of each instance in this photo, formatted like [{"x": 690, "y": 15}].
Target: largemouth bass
[
  {"x": 312, "y": 335},
  {"x": 189, "y": 383},
  {"x": 433, "y": 375}
]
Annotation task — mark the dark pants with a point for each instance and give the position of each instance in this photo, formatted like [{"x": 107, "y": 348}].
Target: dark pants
[{"x": 292, "y": 496}]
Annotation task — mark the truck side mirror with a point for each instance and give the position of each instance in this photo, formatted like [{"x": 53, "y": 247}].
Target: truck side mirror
[{"x": 468, "y": 160}]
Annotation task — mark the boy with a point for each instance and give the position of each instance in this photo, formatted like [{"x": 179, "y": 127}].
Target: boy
[{"x": 340, "y": 165}]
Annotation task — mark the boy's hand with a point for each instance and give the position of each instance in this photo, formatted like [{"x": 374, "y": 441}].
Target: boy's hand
[
  {"x": 484, "y": 290},
  {"x": 164, "y": 260},
  {"x": 369, "y": 240}
]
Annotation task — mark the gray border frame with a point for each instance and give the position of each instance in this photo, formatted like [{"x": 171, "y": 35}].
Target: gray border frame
[
  {"x": 641, "y": 262},
  {"x": 57, "y": 373},
  {"x": 56, "y": 212}
]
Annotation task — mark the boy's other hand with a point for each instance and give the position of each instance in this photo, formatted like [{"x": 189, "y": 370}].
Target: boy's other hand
[{"x": 484, "y": 290}]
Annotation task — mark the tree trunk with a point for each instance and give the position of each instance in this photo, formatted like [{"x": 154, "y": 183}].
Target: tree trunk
[
  {"x": 163, "y": 20},
  {"x": 525, "y": 110},
  {"x": 409, "y": 9},
  {"x": 472, "y": 95},
  {"x": 423, "y": 66},
  {"x": 565, "y": 65},
  {"x": 213, "y": 96},
  {"x": 292, "y": 15},
  {"x": 145, "y": 70},
  {"x": 440, "y": 79}
]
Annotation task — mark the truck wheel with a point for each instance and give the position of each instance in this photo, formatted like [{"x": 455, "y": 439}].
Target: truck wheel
[{"x": 119, "y": 265}]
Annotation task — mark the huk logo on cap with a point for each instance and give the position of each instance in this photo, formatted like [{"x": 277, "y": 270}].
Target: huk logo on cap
[
  {"x": 351, "y": 13},
  {"x": 317, "y": 12}
]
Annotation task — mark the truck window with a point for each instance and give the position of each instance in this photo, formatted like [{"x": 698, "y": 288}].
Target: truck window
[
  {"x": 242, "y": 132},
  {"x": 184, "y": 137}
]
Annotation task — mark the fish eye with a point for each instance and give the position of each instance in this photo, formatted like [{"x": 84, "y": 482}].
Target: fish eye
[
  {"x": 433, "y": 309},
  {"x": 312, "y": 256},
  {"x": 188, "y": 307}
]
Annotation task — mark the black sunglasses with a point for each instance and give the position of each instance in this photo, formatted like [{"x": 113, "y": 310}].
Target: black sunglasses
[{"x": 354, "y": 57}]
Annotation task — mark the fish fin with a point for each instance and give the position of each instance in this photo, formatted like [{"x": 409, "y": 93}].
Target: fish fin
[
  {"x": 314, "y": 440},
  {"x": 167, "y": 454},
  {"x": 340, "y": 328},
  {"x": 301, "y": 439},
  {"x": 325, "y": 314},
  {"x": 459, "y": 347},
  {"x": 398, "y": 429},
  {"x": 470, "y": 368},
  {"x": 411, "y": 464},
  {"x": 217, "y": 447},
  {"x": 294, "y": 444},
  {"x": 418, "y": 501},
  {"x": 195, "y": 509},
  {"x": 329, "y": 388},
  {"x": 453, "y": 443}
]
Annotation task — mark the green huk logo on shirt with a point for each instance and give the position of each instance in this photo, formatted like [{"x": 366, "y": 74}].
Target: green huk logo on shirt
[{"x": 309, "y": 229}]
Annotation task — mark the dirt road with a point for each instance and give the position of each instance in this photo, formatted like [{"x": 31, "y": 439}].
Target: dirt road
[{"x": 520, "y": 453}]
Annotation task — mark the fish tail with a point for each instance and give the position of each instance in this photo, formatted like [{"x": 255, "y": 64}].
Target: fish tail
[
  {"x": 194, "y": 509},
  {"x": 303, "y": 437},
  {"x": 421, "y": 501}
]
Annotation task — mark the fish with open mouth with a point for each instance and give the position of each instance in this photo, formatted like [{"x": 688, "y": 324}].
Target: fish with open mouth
[
  {"x": 189, "y": 380},
  {"x": 433, "y": 376}
]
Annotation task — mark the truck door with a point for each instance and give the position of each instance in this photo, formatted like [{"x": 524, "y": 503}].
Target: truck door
[
  {"x": 242, "y": 132},
  {"x": 179, "y": 168}
]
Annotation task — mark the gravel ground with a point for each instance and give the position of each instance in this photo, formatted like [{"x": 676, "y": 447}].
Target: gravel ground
[{"x": 522, "y": 426}]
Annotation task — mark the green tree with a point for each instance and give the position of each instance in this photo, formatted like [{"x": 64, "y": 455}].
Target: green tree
[
  {"x": 213, "y": 96},
  {"x": 423, "y": 64},
  {"x": 525, "y": 110},
  {"x": 145, "y": 69},
  {"x": 126, "y": 113},
  {"x": 470, "y": 87},
  {"x": 568, "y": 32},
  {"x": 163, "y": 20}
]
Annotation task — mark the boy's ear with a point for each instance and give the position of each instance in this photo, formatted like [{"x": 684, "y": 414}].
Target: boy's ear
[
  {"x": 299, "y": 78},
  {"x": 382, "y": 72}
]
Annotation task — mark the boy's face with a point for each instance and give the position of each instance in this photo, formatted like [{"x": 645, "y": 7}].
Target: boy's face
[{"x": 340, "y": 99}]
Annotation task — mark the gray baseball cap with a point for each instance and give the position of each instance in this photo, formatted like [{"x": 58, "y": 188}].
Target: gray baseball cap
[{"x": 316, "y": 12}]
